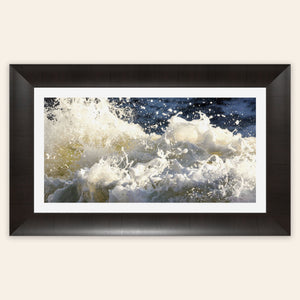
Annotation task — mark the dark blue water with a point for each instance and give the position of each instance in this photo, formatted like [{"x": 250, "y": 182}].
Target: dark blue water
[{"x": 235, "y": 114}]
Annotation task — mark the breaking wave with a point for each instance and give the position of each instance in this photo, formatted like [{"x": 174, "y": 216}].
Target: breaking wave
[{"x": 94, "y": 152}]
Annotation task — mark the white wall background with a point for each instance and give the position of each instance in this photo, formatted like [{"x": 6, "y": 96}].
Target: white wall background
[{"x": 258, "y": 31}]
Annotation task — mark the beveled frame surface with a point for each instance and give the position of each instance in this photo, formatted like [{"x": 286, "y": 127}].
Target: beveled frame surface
[{"x": 23, "y": 80}]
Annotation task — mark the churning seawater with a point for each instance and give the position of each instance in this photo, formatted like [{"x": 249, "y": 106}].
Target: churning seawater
[{"x": 150, "y": 150}]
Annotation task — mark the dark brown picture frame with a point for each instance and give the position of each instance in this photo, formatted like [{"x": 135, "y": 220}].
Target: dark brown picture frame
[{"x": 23, "y": 80}]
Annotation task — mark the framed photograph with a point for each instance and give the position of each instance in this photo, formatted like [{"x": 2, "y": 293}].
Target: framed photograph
[{"x": 150, "y": 150}]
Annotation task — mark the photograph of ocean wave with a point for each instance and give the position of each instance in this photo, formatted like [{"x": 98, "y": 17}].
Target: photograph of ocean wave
[{"x": 150, "y": 149}]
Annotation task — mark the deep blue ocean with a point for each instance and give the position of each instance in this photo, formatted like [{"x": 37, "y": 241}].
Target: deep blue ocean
[{"x": 237, "y": 114}]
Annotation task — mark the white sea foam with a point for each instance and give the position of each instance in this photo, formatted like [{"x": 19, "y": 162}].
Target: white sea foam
[{"x": 95, "y": 153}]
